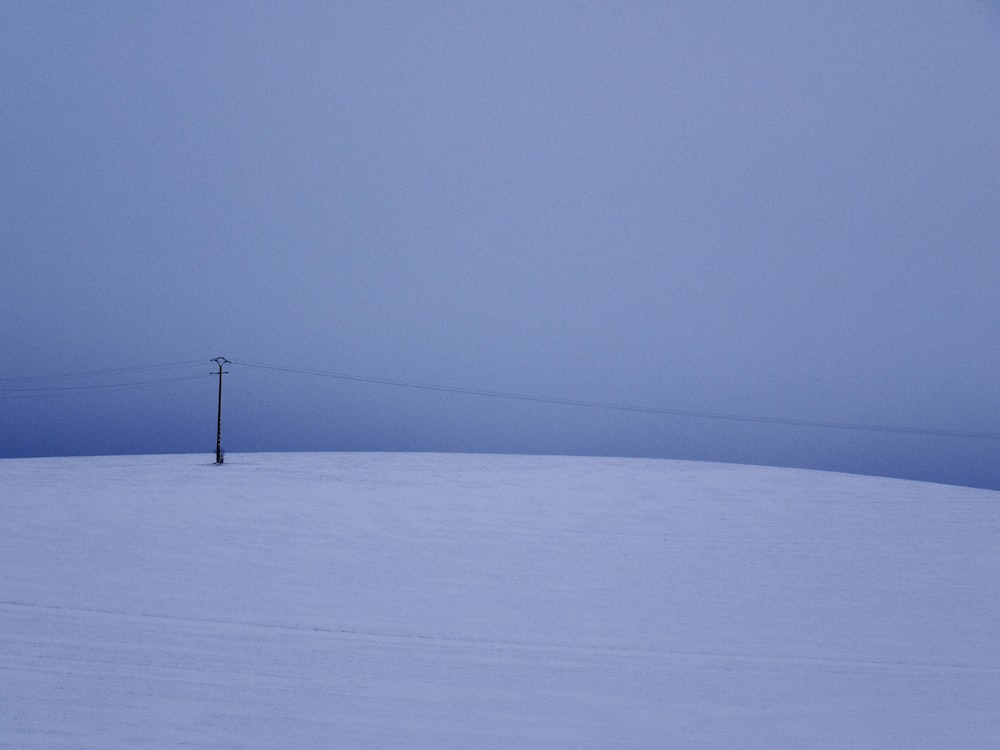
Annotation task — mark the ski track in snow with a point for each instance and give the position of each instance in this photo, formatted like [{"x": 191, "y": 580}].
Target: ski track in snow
[
  {"x": 420, "y": 600},
  {"x": 372, "y": 635}
]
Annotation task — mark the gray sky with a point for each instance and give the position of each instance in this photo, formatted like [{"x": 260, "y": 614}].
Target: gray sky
[{"x": 777, "y": 209}]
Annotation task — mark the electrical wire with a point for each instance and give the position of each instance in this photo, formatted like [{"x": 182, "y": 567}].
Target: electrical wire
[
  {"x": 16, "y": 393},
  {"x": 751, "y": 419},
  {"x": 106, "y": 372}
]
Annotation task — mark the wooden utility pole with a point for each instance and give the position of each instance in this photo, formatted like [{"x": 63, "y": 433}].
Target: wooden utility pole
[{"x": 220, "y": 361}]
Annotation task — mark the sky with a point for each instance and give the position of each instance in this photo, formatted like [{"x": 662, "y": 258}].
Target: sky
[{"x": 777, "y": 210}]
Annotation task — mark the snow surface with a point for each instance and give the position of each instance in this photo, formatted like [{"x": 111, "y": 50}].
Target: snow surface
[{"x": 470, "y": 601}]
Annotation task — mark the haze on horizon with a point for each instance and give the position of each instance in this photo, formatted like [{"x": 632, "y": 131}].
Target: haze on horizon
[{"x": 785, "y": 212}]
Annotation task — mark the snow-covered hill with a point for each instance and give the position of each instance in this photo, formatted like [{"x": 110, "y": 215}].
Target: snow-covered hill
[{"x": 469, "y": 601}]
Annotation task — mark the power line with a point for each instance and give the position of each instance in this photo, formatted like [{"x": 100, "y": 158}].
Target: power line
[
  {"x": 106, "y": 372},
  {"x": 15, "y": 393},
  {"x": 9, "y": 393},
  {"x": 15, "y": 387},
  {"x": 751, "y": 419}
]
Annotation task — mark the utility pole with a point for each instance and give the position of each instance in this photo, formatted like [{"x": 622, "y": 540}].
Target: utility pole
[{"x": 220, "y": 361}]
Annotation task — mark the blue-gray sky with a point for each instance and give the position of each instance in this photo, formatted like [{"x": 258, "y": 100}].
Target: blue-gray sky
[{"x": 776, "y": 209}]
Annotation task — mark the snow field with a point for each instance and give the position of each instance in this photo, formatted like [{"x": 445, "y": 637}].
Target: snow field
[{"x": 457, "y": 601}]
